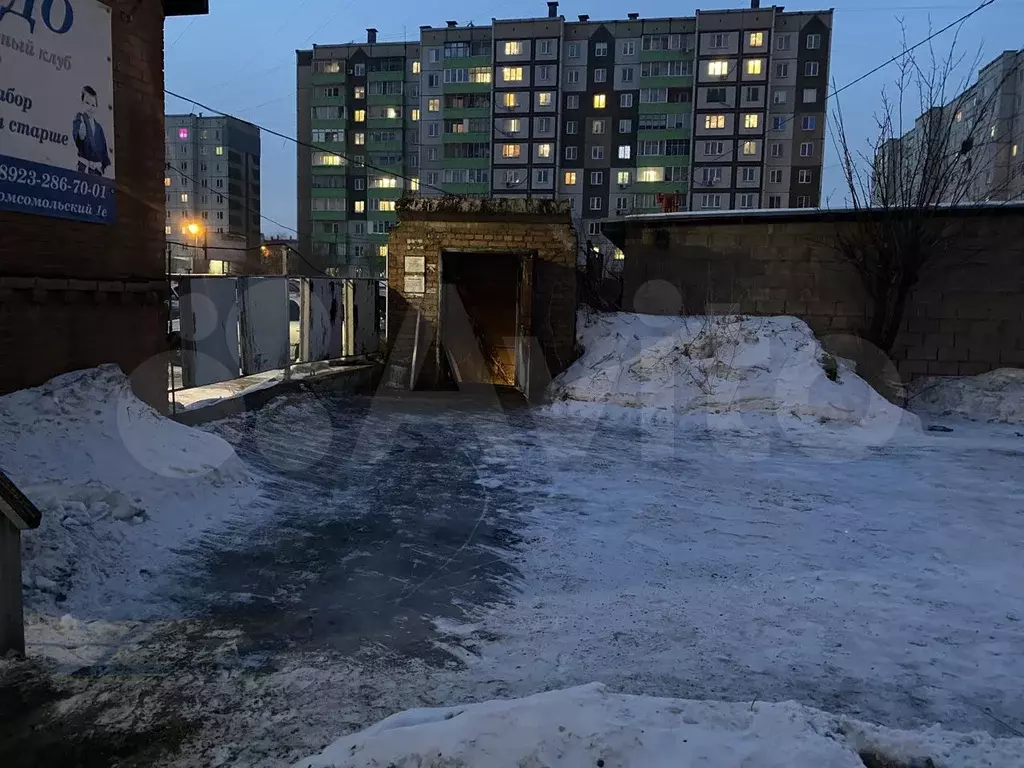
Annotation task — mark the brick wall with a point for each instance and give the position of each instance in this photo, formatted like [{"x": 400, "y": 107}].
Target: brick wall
[
  {"x": 966, "y": 316},
  {"x": 75, "y": 295},
  {"x": 549, "y": 298}
]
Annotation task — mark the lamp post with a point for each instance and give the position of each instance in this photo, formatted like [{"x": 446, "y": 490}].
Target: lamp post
[{"x": 194, "y": 229}]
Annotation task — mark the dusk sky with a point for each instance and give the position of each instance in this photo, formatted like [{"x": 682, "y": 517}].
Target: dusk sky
[{"x": 240, "y": 58}]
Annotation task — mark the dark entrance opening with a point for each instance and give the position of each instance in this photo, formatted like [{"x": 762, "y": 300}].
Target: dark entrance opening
[{"x": 479, "y": 316}]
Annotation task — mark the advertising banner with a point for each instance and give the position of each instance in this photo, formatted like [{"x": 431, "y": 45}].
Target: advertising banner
[{"x": 56, "y": 109}]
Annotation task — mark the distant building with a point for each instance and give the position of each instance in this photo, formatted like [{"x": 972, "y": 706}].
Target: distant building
[
  {"x": 278, "y": 256},
  {"x": 723, "y": 109},
  {"x": 212, "y": 182},
  {"x": 979, "y": 128}
]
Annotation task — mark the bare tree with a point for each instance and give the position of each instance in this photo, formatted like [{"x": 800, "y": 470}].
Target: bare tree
[{"x": 935, "y": 147}]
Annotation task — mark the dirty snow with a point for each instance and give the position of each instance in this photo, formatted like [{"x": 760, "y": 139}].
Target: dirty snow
[
  {"x": 715, "y": 365},
  {"x": 996, "y": 396},
  {"x": 119, "y": 487},
  {"x": 588, "y": 725}
]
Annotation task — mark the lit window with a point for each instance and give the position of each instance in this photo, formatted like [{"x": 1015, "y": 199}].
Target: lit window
[
  {"x": 650, "y": 174},
  {"x": 167, "y": 229},
  {"x": 570, "y": 178},
  {"x": 359, "y": 138},
  {"x": 714, "y": 121},
  {"x": 359, "y": 92},
  {"x": 625, "y": 150},
  {"x": 416, "y": 67},
  {"x": 756, "y": 39},
  {"x": 385, "y": 205},
  {"x": 543, "y": 150},
  {"x": 510, "y": 150},
  {"x": 359, "y": 116},
  {"x": 359, "y": 206},
  {"x": 599, "y": 100},
  {"x": 167, "y": 181},
  {"x": 992, "y": 132},
  {"x": 544, "y": 98},
  {"x": 392, "y": 113},
  {"x": 718, "y": 68},
  {"x": 751, "y": 121},
  {"x": 622, "y": 178},
  {"x": 1013, "y": 150},
  {"x": 510, "y": 100},
  {"x": 382, "y": 250},
  {"x": 754, "y": 66},
  {"x": 433, "y": 105},
  {"x": 512, "y": 125},
  {"x": 749, "y": 147},
  {"x": 184, "y": 197},
  {"x": 219, "y": 151},
  {"x": 512, "y": 74},
  {"x": 414, "y": 115},
  {"x": 513, "y": 47},
  {"x": 183, "y": 133}
]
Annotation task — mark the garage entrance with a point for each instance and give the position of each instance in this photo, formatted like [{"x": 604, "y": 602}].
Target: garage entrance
[
  {"x": 480, "y": 308},
  {"x": 481, "y": 291}
]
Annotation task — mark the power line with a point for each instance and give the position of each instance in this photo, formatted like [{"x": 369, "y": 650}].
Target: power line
[
  {"x": 306, "y": 144},
  {"x": 880, "y": 67}
]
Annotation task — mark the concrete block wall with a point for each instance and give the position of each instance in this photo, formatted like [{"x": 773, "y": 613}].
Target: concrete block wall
[
  {"x": 76, "y": 295},
  {"x": 966, "y": 315}
]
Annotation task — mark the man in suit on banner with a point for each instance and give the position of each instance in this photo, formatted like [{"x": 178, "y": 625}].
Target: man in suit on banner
[{"x": 90, "y": 139}]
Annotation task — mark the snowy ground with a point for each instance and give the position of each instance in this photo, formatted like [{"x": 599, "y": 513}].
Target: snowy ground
[
  {"x": 119, "y": 487},
  {"x": 425, "y": 552},
  {"x": 588, "y": 725}
]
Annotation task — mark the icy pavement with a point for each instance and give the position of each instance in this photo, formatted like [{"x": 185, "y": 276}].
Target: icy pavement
[{"x": 425, "y": 552}]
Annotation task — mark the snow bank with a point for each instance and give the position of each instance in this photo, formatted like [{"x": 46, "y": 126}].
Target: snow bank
[
  {"x": 721, "y": 364},
  {"x": 118, "y": 485},
  {"x": 996, "y": 396},
  {"x": 587, "y": 726}
]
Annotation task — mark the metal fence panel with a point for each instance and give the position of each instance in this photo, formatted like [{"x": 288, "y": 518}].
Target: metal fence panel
[
  {"x": 209, "y": 330},
  {"x": 324, "y": 318},
  {"x": 263, "y": 323},
  {"x": 365, "y": 336}
]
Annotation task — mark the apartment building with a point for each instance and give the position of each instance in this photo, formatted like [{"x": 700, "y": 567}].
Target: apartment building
[
  {"x": 212, "y": 185},
  {"x": 981, "y": 129},
  {"x": 725, "y": 109},
  {"x": 359, "y": 149}
]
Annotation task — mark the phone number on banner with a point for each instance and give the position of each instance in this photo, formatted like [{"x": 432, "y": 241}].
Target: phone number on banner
[{"x": 30, "y": 189}]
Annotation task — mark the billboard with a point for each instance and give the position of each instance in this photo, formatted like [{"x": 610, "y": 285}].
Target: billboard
[{"x": 56, "y": 109}]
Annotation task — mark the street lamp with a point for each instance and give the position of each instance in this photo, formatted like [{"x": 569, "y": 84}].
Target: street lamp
[{"x": 194, "y": 228}]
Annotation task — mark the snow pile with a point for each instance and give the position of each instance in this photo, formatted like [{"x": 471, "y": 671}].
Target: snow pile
[
  {"x": 717, "y": 364},
  {"x": 994, "y": 396},
  {"x": 587, "y": 726},
  {"x": 118, "y": 486}
]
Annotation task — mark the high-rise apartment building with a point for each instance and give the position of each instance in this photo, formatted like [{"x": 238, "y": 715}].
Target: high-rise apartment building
[
  {"x": 980, "y": 129},
  {"x": 725, "y": 109},
  {"x": 212, "y": 181}
]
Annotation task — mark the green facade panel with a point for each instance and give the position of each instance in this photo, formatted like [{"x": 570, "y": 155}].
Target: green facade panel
[
  {"x": 467, "y": 162},
  {"x": 328, "y": 192},
  {"x": 455, "y": 114},
  {"x": 322, "y": 78},
  {"x": 467, "y": 88},
  {"x": 667, "y": 82},
  {"x": 375, "y": 76},
  {"x": 666, "y": 55},
  {"x": 394, "y": 99},
  {"x": 458, "y": 138},
  {"x": 466, "y": 189},
  {"x": 675, "y": 133}
]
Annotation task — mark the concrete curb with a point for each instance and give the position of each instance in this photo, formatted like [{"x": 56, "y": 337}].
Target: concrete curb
[{"x": 350, "y": 379}]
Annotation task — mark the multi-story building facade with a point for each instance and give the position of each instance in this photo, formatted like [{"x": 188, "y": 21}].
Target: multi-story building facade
[
  {"x": 725, "y": 109},
  {"x": 980, "y": 129},
  {"x": 212, "y": 182}
]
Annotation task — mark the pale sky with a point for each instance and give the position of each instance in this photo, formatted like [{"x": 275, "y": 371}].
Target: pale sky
[{"x": 241, "y": 57}]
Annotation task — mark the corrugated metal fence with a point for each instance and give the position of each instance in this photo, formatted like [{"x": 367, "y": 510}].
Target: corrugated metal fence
[{"x": 239, "y": 326}]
